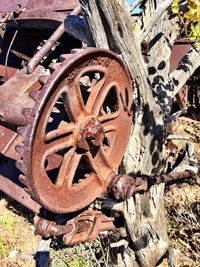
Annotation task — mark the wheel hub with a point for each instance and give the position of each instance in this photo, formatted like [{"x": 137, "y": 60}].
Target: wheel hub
[{"x": 91, "y": 132}]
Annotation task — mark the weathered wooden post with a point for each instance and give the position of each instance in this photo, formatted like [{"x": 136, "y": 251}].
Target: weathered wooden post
[{"x": 111, "y": 27}]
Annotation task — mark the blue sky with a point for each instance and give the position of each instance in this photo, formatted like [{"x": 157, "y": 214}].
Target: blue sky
[{"x": 131, "y": 2}]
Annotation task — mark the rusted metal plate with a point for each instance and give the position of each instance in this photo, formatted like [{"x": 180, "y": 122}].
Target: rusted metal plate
[
  {"x": 42, "y": 16},
  {"x": 6, "y": 136},
  {"x": 9, "y": 174},
  {"x": 182, "y": 96},
  {"x": 6, "y": 72},
  {"x": 14, "y": 95},
  {"x": 30, "y": 5},
  {"x": 179, "y": 49},
  {"x": 19, "y": 194}
]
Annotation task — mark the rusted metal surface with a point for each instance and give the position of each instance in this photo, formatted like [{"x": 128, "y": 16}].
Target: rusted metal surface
[
  {"x": 90, "y": 133},
  {"x": 36, "y": 10},
  {"x": 84, "y": 227},
  {"x": 84, "y": 111},
  {"x": 19, "y": 194},
  {"x": 9, "y": 182},
  {"x": 49, "y": 44},
  {"x": 32, "y": 5},
  {"x": 6, "y": 138},
  {"x": 179, "y": 49},
  {"x": 182, "y": 97},
  {"x": 14, "y": 95},
  {"x": 6, "y": 73},
  {"x": 74, "y": 119},
  {"x": 124, "y": 186}
]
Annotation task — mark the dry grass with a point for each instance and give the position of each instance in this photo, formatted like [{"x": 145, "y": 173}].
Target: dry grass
[
  {"x": 183, "y": 204},
  {"x": 183, "y": 217},
  {"x": 18, "y": 243},
  {"x": 95, "y": 254}
]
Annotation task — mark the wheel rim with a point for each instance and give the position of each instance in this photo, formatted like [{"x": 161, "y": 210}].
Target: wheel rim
[{"x": 79, "y": 130}]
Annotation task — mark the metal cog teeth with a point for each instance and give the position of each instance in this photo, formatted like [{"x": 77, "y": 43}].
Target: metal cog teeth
[
  {"x": 75, "y": 50},
  {"x": 19, "y": 149},
  {"x": 43, "y": 79},
  {"x": 26, "y": 112},
  {"x": 63, "y": 57},
  {"x": 20, "y": 166},
  {"x": 21, "y": 131},
  {"x": 23, "y": 179},
  {"x": 53, "y": 67},
  {"x": 34, "y": 94}
]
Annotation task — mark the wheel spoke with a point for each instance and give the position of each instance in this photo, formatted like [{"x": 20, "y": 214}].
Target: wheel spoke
[
  {"x": 99, "y": 163},
  {"x": 110, "y": 122},
  {"x": 99, "y": 98},
  {"x": 57, "y": 141},
  {"x": 96, "y": 92},
  {"x": 59, "y": 133},
  {"x": 73, "y": 102},
  {"x": 67, "y": 169}
]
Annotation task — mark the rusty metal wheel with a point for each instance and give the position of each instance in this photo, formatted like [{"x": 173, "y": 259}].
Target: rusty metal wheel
[{"x": 78, "y": 130}]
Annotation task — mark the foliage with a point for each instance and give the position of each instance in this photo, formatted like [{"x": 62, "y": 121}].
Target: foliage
[
  {"x": 4, "y": 248},
  {"x": 189, "y": 14},
  {"x": 73, "y": 262},
  {"x": 7, "y": 222},
  {"x": 94, "y": 254}
]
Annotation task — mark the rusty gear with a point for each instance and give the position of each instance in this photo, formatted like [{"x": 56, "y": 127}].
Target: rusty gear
[{"x": 77, "y": 131}]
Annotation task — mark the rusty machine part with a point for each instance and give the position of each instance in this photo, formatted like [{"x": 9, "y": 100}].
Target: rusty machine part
[
  {"x": 72, "y": 130},
  {"x": 35, "y": 60},
  {"x": 37, "y": 10},
  {"x": 84, "y": 227},
  {"x": 77, "y": 131},
  {"x": 124, "y": 186},
  {"x": 66, "y": 126}
]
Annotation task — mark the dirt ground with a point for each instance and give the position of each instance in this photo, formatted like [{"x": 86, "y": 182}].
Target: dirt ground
[{"x": 18, "y": 244}]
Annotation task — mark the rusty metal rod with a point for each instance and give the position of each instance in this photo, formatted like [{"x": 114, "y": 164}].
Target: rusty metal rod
[
  {"x": 84, "y": 227},
  {"x": 165, "y": 178},
  {"x": 19, "y": 194},
  {"x": 124, "y": 186},
  {"x": 49, "y": 44}
]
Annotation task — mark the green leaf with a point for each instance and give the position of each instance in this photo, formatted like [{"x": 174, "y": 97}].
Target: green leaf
[
  {"x": 175, "y": 7},
  {"x": 194, "y": 11}
]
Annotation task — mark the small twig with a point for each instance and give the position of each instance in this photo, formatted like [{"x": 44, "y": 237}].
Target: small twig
[
  {"x": 158, "y": 13},
  {"x": 177, "y": 137},
  {"x": 8, "y": 52},
  {"x": 134, "y": 5},
  {"x": 103, "y": 254},
  {"x": 92, "y": 252},
  {"x": 120, "y": 243},
  {"x": 21, "y": 55},
  {"x": 3, "y": 20},
  {"x": 176, "y": 115}
]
